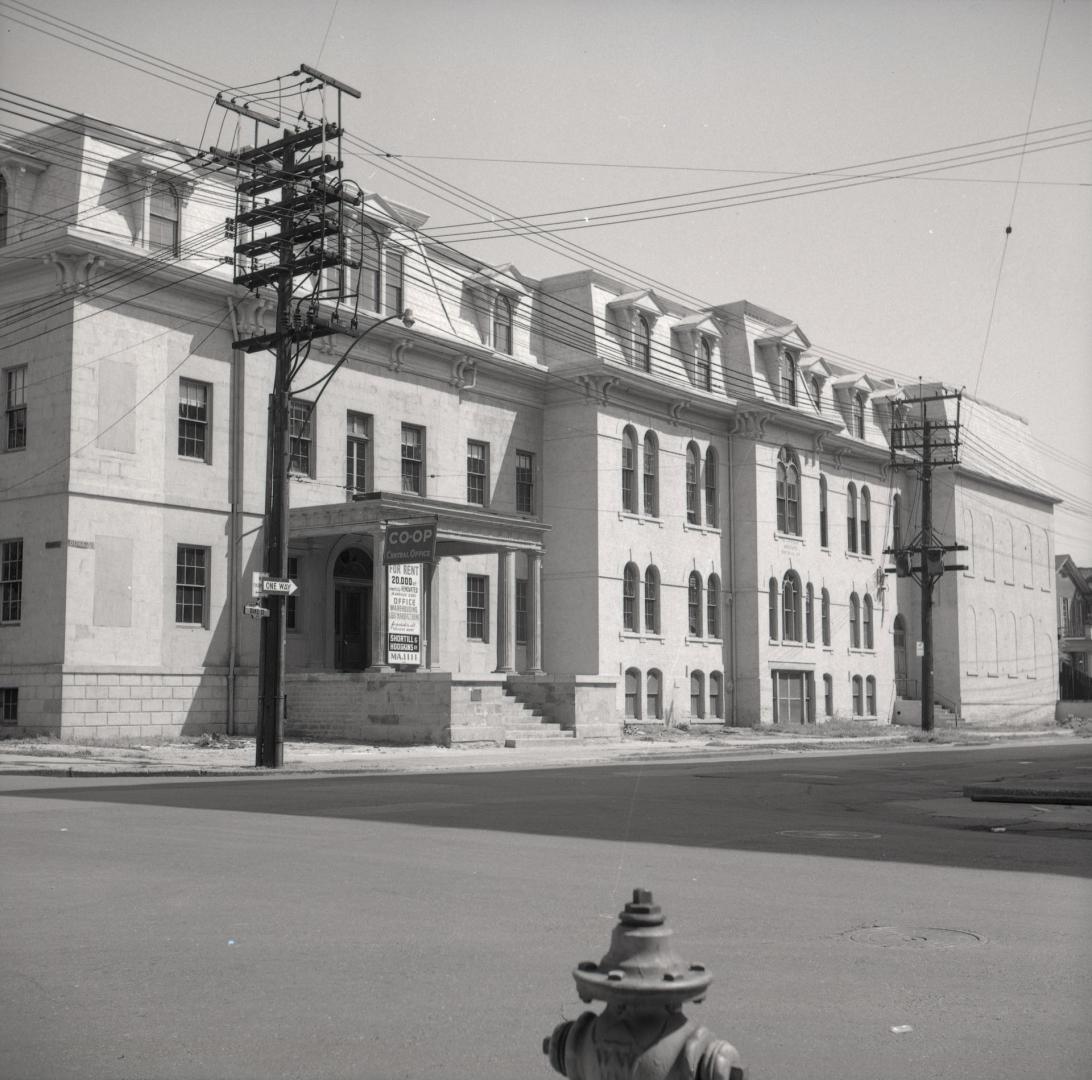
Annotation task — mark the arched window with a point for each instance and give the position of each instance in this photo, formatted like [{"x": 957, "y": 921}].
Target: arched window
[
  {"x": 711, "y": 515},
  {"x": 163, "y": 218},
  {"x": 1027, "y": 645},
  {"x": 693, "y": 604},
  {"x": 697, "y": 695},
  {"x": 1006, "y": 549},
  {"x": 858, "y": 414},
  {"x": 3, "y": 211},
  {"x": 642, "y": 344},
  {"x": 970, "y": 624},
  {"x": 866, "y": 624},
  {"x": 870, "y": 696},
  {"x": 653, "y": 698},
  {"x": 824, "y": 616},
  {"x": 716, "y": 695},
  {"x": 773, "y": 599},
  {"x": 633, "y": 694},
  {"x": 988, "y": 552},
  {"x": 858, "y": 695},
  {"x": 788, "y": 378},
  {"x": 629, "y": 599},
  {"x": 502, "y": 325},
  {"x": 828, "y": 695},
  {"x": 788, "y": 492},
  {"x": 705, "y": 365},
  {"x": 898, "y": 647},
  {"x": 629, "y": 471},
  {"x": 809, "y": 614},
  {"x": 712, "y": 606},
  {"x": 369, "y": 269},
  {"x": 896, "y": 522},
  {"x": 393, "y": 273},
  {"x": 824, "y": 532},
  {"x": 652, "y": 600},
  {"x": 817, "y": 393},
  {"x": 854, "y": 621},
  {"x": 866, "y": 522},
  {"x": 851, "y": 517},
  {"x": 790, "y": 607},
  {"x": 650, "y": 467},
  {"x": 1029, "y": 558},
  {"x": 693, "y": 472}
]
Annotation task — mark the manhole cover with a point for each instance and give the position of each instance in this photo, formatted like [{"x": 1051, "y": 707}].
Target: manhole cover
[
  {"x": 914, "y": 937},
  {"x": 828, "y": 834}
]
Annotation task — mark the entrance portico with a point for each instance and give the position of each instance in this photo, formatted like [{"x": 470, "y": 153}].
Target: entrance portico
[{"x": 350, "y": 614}]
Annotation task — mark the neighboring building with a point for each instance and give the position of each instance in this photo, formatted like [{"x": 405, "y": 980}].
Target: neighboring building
[
  {"x": 644, "y": 511},
  {"x": 1074, "y": 629}
]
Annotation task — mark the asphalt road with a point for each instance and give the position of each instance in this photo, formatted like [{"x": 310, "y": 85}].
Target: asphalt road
[{"x": 862, "y": 919}]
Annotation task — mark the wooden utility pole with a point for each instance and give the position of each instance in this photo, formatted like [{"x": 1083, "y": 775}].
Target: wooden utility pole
[
  {"x": 934, "y": 443},
  {"x": 301, "y": 235}
]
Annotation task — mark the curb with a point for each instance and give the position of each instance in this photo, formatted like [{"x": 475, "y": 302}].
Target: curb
[
  {"x": 502, "y": 760},
  {"x": 1043, "y": 791}
]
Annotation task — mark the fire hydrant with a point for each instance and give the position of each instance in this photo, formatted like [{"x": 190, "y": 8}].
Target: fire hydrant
[{"x": 642, "y": 1034}]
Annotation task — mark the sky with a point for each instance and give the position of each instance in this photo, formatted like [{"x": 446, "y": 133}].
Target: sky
[{"x": 569, "y": 106}]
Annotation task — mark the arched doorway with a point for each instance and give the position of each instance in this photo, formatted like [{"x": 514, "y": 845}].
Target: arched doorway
[
  {"x": 352, "y": 610},
  {"x": 898, "y": 633}
]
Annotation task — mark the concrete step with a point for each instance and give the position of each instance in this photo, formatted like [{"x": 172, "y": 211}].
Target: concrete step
[{"x": 514, "y": 740}]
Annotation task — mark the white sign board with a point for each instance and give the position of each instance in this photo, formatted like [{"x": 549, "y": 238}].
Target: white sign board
[
  {"x": 920, "y": 648},
  {"x": 404, "y": 613}
]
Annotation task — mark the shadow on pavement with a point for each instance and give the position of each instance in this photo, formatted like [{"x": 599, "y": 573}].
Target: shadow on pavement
[{"x": 889, "y": 808}]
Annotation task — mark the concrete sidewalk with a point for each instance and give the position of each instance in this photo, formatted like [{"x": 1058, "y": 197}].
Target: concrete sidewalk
[{"x": 234, "y": 756}]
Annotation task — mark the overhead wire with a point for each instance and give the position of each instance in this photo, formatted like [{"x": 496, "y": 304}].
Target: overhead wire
[{"x": 851, "y": 358}]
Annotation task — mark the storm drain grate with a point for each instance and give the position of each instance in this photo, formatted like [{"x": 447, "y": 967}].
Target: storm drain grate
[{"x": 914, "y": 937}]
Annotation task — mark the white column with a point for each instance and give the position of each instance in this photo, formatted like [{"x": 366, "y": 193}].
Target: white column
[
  {"x": 432, "y": 615},
  {"x": 379, "y": 603},
  {"x": 506, "y": 612},
  {"x": 534, "y": 614}
]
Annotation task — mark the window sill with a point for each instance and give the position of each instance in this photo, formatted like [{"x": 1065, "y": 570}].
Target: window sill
[
  {"x": 630, "y": 635},
  {"x": 992, "y": 675},
  {"x": 640, "y": 519},
  {"x": 691, "y": 640},
  {"x": 689, "y": 526},
  {"x": 798, "y": 537}
]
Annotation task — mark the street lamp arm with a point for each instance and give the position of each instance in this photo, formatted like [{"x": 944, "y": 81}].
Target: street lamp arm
[{"x": 406, "y": 317}]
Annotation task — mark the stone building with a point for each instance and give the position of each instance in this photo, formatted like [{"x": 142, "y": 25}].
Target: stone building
[{"x": 643, "y": 511}]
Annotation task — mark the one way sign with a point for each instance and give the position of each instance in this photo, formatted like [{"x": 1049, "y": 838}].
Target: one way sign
[{"x": 261, "y": 585}]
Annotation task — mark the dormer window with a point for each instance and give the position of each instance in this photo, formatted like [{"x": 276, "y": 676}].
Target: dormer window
[
  {"x": 642, "y": 344},
  {"x": 19, "y": 175},
  {"x": 161, "y": 183},
  {"x": 705, "y": 365},
  {"x": 697, "y": 337},
  {"x": 816, "y": 393},
  {"x": 498, "y": 293},
  {"x": 635, "y": 315},
  {"x": 163, "y": 218},
  {"x": 502, "y": 325},
  {"x": 858, "y": 414},
  {"x": 852, "y": 393},
  {"x": 788, "y": 378}
]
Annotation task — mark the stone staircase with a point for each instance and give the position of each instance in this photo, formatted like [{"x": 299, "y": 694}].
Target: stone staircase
[{"x": 488, "y": 713}]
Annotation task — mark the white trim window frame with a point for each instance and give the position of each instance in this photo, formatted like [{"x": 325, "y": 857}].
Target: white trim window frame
[
  {"x": 15, "y": 408},
  {"x": 194, "y": 414}
]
